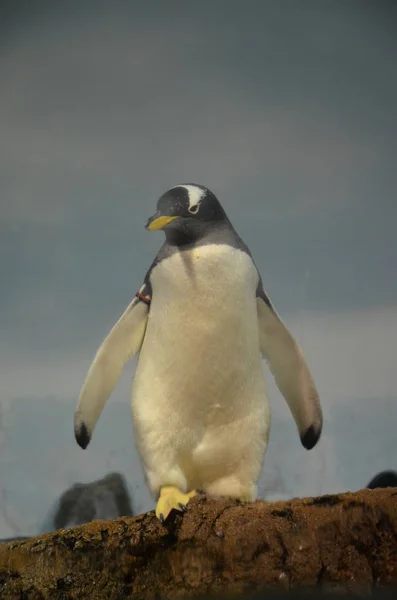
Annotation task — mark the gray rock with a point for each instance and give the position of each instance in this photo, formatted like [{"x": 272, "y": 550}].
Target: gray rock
[
  {"x": 383, "y": 479},
  {"x": 103, "y": 499}
]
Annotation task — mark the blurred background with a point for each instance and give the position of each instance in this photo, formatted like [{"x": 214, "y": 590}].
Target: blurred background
[{"x": 286, "y": 110}]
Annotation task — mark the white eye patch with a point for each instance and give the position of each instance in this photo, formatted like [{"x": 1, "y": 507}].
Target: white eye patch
[{"x": 195, "y": 195}]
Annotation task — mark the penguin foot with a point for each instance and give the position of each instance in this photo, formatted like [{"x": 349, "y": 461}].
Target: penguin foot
[{"x": 171, "y": 499}]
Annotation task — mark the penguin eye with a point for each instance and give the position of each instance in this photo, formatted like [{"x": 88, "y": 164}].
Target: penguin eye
[{"x": 194, "y": 209}]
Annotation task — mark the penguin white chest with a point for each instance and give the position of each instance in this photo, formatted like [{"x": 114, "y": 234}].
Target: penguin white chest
[
  {"x": 200, "y": 360},
  {"x": 203, "y": 314}
]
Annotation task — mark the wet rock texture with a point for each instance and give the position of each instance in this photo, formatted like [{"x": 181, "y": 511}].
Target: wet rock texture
[{"x": 345, "y": 542}]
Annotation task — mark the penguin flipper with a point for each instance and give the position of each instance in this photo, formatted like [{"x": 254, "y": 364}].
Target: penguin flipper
[
  {"x": 288, "y": 365},
  {"x": 122, "y": 343}
]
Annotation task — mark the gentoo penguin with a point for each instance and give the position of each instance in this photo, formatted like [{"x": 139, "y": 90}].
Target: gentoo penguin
[{"x": 201, "y": 323}]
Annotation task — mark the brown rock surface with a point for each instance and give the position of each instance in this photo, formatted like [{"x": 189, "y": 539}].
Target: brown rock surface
[{"x": 342, "y": 542}]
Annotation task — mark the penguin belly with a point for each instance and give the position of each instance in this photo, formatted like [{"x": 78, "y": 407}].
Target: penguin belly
[{"x": 199, "y": 400}]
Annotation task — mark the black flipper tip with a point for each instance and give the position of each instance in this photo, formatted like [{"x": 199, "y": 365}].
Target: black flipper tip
[
  {"x": 310, "y": 437},
  {"x": 82, "y": 435}
]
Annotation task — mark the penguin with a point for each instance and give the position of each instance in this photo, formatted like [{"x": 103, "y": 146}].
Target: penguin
[{"x": 202, "y": 324}]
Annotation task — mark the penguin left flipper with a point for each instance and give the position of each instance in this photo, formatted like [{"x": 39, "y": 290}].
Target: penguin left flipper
[
  {"x": 293, "y": 378},
  {"x": 171, "y": 499},
  {"x": 121, "y": 344}
]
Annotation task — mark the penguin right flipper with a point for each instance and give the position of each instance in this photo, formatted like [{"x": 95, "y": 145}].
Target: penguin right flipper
[
  {"x": 293, "y": 378},
  {"x": 122, "y": 343}
]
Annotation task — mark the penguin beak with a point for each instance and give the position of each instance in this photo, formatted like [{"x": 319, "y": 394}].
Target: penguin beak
[{"x": 158, "y": 222}]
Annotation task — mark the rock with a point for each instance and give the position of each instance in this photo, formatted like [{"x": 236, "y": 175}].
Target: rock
[
  {"x": 104, "y": 499},
  {"x": 383, "y": 479},
  {"x": 336, "y": 543}
]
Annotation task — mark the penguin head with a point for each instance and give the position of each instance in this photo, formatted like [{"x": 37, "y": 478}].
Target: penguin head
[{"x": 186, "y": 210}]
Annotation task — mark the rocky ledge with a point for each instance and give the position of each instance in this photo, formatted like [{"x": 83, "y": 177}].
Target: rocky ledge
[{"x": 345, "y": 542}]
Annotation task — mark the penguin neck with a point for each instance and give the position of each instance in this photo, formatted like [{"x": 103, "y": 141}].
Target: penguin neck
[
  {"x": 191, "y": 236},
  {"x": 176, "y": 237}
]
